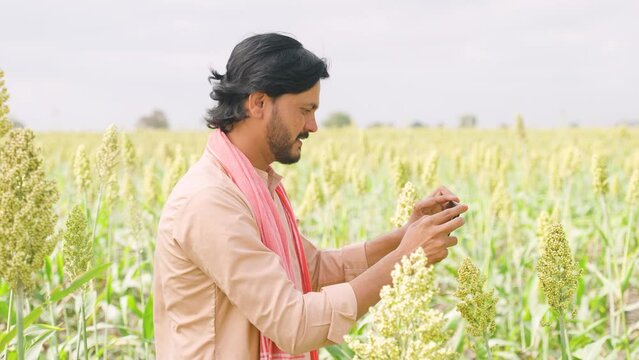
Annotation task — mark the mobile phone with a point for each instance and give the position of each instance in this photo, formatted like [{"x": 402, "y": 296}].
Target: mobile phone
[{"x": 450, "y": 205}]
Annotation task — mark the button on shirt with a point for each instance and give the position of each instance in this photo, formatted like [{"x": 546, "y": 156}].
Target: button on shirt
[{"x": 217, "y": 286}]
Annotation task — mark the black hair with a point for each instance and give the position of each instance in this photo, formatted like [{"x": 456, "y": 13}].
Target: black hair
[{"x": 272, "y": 63}]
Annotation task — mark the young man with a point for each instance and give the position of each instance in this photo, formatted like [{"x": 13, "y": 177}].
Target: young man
[{"x": 233, "y": 277}]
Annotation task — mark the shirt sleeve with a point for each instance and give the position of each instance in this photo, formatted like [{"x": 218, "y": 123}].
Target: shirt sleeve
[
  {"x": 218, "y": 233},
  {"x": 328, "y": 267}
]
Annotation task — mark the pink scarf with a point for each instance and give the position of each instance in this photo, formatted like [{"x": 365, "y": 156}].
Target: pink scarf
[{"x": 272, "y": 232}]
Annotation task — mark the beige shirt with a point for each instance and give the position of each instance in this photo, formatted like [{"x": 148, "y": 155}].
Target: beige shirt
[{"x": 217, "y": 286}]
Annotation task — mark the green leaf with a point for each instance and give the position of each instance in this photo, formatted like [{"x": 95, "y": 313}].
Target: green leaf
[
  {"x": 4, "y": 288},
  {"x": 593, "y": 326},
  {"x": 60, "y": 268},
  {"x": 148, "y": 320},
  {"x": 591, "y": 351},
  {"x": 48, "y": 269},
  {"x": 133, "y": 306},
  {"x": 628, "y": 275},
  {"x": 108, "y": 290},
  {"x": 28, "y": 320},
  {"x": 4, "y": 312},
  {"x": 77, "y": 283},
  {"x": 35, "y": 348},
  {"x": 55, "y": 296},
  {"x": 49, "y": 327},
  {"x": 339, "y": 352},
  {"x": 603, "y": 235}
]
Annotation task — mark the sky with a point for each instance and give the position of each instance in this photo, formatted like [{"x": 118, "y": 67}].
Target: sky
[{"x": 82, "y": 65}]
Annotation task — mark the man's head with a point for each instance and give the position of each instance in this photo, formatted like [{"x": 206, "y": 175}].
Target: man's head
[{"x": 270, "y": 78}]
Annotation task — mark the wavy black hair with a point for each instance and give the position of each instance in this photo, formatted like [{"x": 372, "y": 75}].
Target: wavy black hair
[{"x": 272, "y": 63}]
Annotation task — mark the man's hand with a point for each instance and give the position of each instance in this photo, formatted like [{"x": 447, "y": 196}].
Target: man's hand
[
  {"x": 432, "y": 204},
  {"x": 429, "y": 205},
  {"x": 432, "y": 233},
  {"x": 429, "y": 227}
]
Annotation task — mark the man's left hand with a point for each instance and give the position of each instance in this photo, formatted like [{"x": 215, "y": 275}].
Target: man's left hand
[{"x": 431, "y": 204}]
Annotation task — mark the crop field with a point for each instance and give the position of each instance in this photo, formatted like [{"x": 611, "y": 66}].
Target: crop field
[{"x": 91, "y": 297}]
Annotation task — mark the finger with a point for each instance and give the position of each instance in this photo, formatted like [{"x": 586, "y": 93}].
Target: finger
[
  {"x": 435, "y": 200},
  {"x": 445, "y": 215},
  {"x": 450, "y": 241},
  {"x": 451, "y": 197},
  {"x": 445, "y": 191},
  {"x": 450, "y": 226},
  {"x": 442, "y": 190}
]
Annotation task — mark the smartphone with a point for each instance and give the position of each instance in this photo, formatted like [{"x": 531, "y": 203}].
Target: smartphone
[{"x": 449, "y": 205}]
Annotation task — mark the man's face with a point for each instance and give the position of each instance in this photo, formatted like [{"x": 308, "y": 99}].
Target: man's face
[{"x": 292, "y": 119}]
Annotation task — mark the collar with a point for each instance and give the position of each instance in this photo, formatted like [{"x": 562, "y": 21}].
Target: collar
[{"x": 271, "y": 178}]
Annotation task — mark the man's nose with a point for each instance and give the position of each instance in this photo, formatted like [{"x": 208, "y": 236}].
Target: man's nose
[{"x": 311, "y": 125}]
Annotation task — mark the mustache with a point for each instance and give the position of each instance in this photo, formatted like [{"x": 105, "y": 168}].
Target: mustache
[{"x": 303, "y": 135}]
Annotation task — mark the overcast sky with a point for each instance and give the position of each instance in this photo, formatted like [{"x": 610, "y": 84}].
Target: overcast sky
[{"x": 81, "y": 65}]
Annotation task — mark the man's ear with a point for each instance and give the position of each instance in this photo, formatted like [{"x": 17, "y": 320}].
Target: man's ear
[{"x": 256, "y": 103}]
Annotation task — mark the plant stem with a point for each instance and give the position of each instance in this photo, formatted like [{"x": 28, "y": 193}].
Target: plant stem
[
  {"x": 86, "y": 204},
  {"x": 489, "y": 354},
  {"x": 19, "y": 315},
  {"x": 108, "y": 291},
  {"x": 609, "y": 268},
  {"x": 95, "y": 225},
  {"x": 97, "y": 214},
  {"x": 522, "y": 322},
  {"x": 544, "y": 342},
  {"x": 67, "y": 327},
  {"x": 84, "y": 328},
  {"x": 79, "y": 344},
  {"x": 563, "y": 335},
  {"x": 622, "y": 313},
  {"x": 138, "y": 259},
  {"x": 8, "y": 320},
  {"x": 54, "y": 339},
  {"x": 107, "y": 297}
]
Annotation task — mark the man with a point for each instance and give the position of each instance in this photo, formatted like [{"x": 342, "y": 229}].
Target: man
[{"x": 233, "y": 277}]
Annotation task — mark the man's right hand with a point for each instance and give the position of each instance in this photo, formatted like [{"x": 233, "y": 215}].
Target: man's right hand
[{"x": 432, "y": 233}]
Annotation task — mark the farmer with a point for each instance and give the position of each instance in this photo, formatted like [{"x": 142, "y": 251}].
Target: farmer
[{"x": 233, "y": 276}]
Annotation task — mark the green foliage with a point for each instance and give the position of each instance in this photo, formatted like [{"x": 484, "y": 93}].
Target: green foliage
[
  {"x": 156, "y": 120},
  {"x": 470, "y": 162},
  {"x": 337, "y": 120}
]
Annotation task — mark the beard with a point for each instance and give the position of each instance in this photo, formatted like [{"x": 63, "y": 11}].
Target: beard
[{"x": 280, "y": 141}]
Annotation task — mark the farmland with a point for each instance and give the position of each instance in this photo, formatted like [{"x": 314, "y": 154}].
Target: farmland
[{"x": 344, "y": 190}]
